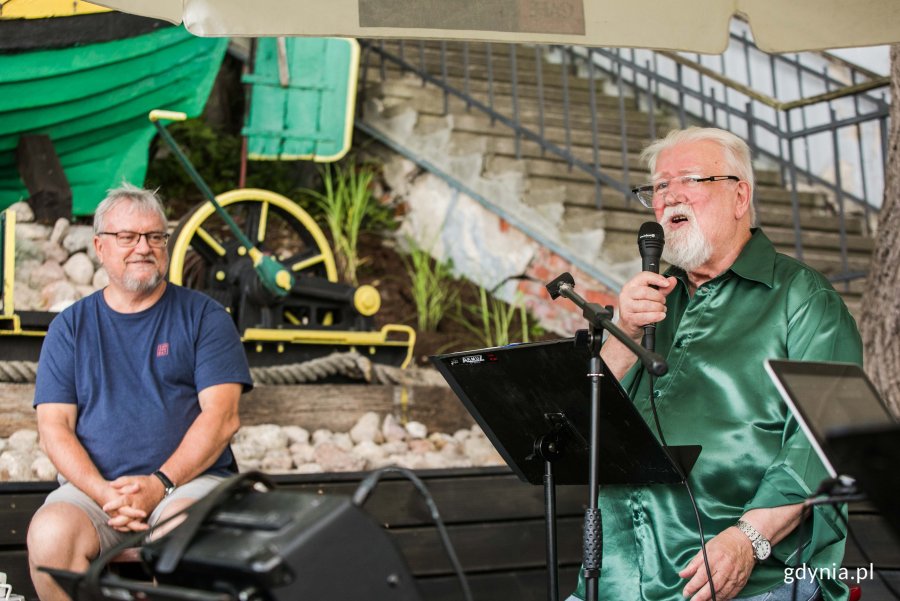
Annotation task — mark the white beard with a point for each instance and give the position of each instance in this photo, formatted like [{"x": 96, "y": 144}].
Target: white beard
[{"x": 686, "y": 247}]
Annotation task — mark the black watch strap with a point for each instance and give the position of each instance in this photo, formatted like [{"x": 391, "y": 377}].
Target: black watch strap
[{"x": 167, "y": 483}]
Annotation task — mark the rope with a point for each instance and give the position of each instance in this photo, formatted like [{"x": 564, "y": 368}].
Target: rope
[
  {"x": 350, "y": 365},
  {"x": 19, "y": 372}
]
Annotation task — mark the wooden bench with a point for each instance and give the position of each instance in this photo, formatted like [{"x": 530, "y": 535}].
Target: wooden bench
[{"x": 495, "y": 521}]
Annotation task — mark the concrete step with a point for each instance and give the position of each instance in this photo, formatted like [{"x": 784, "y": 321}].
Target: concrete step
[
  {"x": 550, "y": 91},
  {"x": 553, "y": 168}
]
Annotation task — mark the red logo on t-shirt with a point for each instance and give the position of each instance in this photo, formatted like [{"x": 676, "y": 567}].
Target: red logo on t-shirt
[{"x": 162, "y": 349}]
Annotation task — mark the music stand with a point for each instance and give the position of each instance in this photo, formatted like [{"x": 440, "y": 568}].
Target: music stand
[
  {"x": 847, "y": 424},
  {"x": 533, "y": 403}
]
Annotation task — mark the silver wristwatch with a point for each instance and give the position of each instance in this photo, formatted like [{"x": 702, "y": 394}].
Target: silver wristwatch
[{"x": 761, "y": 546}]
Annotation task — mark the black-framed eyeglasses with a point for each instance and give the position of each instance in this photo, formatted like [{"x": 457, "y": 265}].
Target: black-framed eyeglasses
[
  {"x": 126, "y": 239},
  {"x": 648, "y": 193}
]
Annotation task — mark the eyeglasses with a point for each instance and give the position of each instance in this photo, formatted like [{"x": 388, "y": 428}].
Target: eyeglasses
[
  {"x": 130, "y": 239},
  {"x": 647, "y": 194}
]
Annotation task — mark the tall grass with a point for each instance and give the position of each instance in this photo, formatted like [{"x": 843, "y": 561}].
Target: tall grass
[
  {"x": 345, "y": 204},
  {"x": 496, "y": 319},
  {"x": 433, "y": 289}
]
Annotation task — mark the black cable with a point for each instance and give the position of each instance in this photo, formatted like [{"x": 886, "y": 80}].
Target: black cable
[
  {"x": 687, "y": 486},
  {"x": 866, "y": 557},
  {"x": 368, "y": 484}
]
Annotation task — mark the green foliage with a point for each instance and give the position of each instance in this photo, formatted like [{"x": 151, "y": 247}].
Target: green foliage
[
  {"x": 345, "y": 203},
  {"x": 216, "y": 156},
  {"x": 433, "y": 289},
  {"x": 496, "y": 319}
]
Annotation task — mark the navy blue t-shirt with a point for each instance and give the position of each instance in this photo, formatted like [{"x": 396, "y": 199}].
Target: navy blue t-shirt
[{"x": 135, "y": 376}]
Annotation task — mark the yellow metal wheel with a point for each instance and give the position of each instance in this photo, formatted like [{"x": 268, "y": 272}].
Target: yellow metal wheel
[{"x": 202, "y": 244}]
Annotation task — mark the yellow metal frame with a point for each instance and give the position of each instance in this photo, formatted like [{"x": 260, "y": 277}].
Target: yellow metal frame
[
  {"x": 9, "y": 263},
  {"x": 193, "y": 227},
  {"x": 42, "y": 9},
  {"x": 341, "y": 337}
]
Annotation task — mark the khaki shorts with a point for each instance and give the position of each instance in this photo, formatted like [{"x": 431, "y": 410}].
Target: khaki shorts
[{"x": 109, "y": 537}]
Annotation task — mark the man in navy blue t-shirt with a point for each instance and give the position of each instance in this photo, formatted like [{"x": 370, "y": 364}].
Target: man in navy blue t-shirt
[{"x": 136, "y": 396}]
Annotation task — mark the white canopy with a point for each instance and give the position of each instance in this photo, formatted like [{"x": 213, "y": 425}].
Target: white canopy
[{"x": 693, "y": 25}]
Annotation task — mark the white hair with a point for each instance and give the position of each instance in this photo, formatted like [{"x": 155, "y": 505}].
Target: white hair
[
  {"x": 735, "y": 151},
  {"x": 141, "y": 200}
]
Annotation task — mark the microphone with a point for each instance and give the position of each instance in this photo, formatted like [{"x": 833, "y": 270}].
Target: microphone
[{"x": 650, "y": 244}]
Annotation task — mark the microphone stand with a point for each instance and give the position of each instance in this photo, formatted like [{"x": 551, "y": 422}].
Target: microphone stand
[{"x": 598, "y": 318}]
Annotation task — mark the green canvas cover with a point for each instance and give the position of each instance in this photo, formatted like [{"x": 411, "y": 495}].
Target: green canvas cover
[
  {"x": 302, "y": 103},
  {"x": 93, "y": 102}
]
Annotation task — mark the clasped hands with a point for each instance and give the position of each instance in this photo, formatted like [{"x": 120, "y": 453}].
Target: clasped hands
[{"x": 131, "y": 500}]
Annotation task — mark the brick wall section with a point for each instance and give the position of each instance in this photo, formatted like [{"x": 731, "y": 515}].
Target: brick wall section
[{"x": 560, "y": 316}]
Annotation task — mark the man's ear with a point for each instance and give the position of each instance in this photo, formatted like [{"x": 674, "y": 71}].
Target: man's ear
[
  {"x": 97, "y": 245},
  {"x": 743, "y": 200}
]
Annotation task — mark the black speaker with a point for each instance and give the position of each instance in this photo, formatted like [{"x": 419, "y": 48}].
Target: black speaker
[{"x": 284, "y": 546}]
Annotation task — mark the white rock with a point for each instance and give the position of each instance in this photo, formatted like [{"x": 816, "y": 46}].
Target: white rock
[
  {"x": 23, "y": 440},
  {"x": 31, "y": 231},
  {"x": 372, "y": 453},
  {"x": 25, "y": 298},
  {"x": 84, "y": 290},
  {"x": 276, "y": 461},
  {"x": 79, "y": 269},
  {"x": 476, "y": 430},
  {"x": 302, "y": 452},
  {"x": 60, "y": 229},
  {"x": 101, "y": 279},
  {"x": 30, "y": 250},
  {"x": 58, "y": 295},
  {"x": 54, "y": 252},
  {"x": 43, "y": 468},
  {"x": 248, "y": 465},
  {"x": 367, "y": 428},
  {"x": 334, "y": 459},
  {"x": 248, "y": 450},
  {"x": 269, "y": 436},
  {"x": 478, "y": 449},
  {"x": 417, "y": 430},
  {"x": 421, "y": 446},
  {"x": 321, "y": 435},
  {"x": 15, "y": 466},
  {"x": 391, "y": 430},
  {"x": 3, "y": 444},
  {"x": 463, "y": 434},
  {"x": 440, "y": 439},
  {"x": 23, "y": 211},
  {"x": 309, "y": 468},
  {"x": 25, "y": 268},
  {"x": 395, "y": 447},
  {"x": 78, "y": 238},
  {"x": 342, "y": 440},
  {"x": 48, "y": 272},
  {"x": 296, "y": 434},
  {"x": 62, "y": 305}
]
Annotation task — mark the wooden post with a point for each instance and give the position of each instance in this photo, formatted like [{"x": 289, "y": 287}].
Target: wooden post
[{"x": 42, "y": 173}]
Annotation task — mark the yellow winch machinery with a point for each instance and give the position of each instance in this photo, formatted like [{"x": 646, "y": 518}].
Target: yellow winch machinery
[{"x": 314, "y": 316}]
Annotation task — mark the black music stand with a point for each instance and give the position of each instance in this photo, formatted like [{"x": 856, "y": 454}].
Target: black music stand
[{"x": 533, "y": 403}]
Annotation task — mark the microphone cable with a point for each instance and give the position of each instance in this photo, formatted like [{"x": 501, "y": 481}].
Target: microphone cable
[
  {"x": 368, "y": 484},
  {"x": 687, "y": 486}
]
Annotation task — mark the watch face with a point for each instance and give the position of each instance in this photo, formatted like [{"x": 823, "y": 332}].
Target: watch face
[{"x": 763, "y": 549}]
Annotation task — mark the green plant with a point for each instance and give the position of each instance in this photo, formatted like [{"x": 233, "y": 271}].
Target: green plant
[
  {"x": 345, "y": 203},
  {"x": 431, "y": 288},
  {"x": 496, "y": 318}
]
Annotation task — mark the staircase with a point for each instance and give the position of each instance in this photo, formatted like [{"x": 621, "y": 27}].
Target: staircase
[{"x": 539, "y": 170}]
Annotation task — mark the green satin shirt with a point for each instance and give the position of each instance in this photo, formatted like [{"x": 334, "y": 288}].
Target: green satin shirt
[{"x": 718, "y": 395}]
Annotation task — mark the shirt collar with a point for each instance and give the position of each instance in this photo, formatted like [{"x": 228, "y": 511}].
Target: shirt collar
[{"x": 756, "y": 261}]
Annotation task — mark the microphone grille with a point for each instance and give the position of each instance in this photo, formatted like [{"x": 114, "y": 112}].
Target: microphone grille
[{"x": 651, "y": 230}]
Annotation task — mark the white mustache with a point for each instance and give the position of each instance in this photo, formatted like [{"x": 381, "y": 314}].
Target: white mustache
[{"x": 677, "y": 211}]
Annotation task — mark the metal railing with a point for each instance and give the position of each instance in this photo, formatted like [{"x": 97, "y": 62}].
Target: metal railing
[{"x": 827, "y": 132}]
